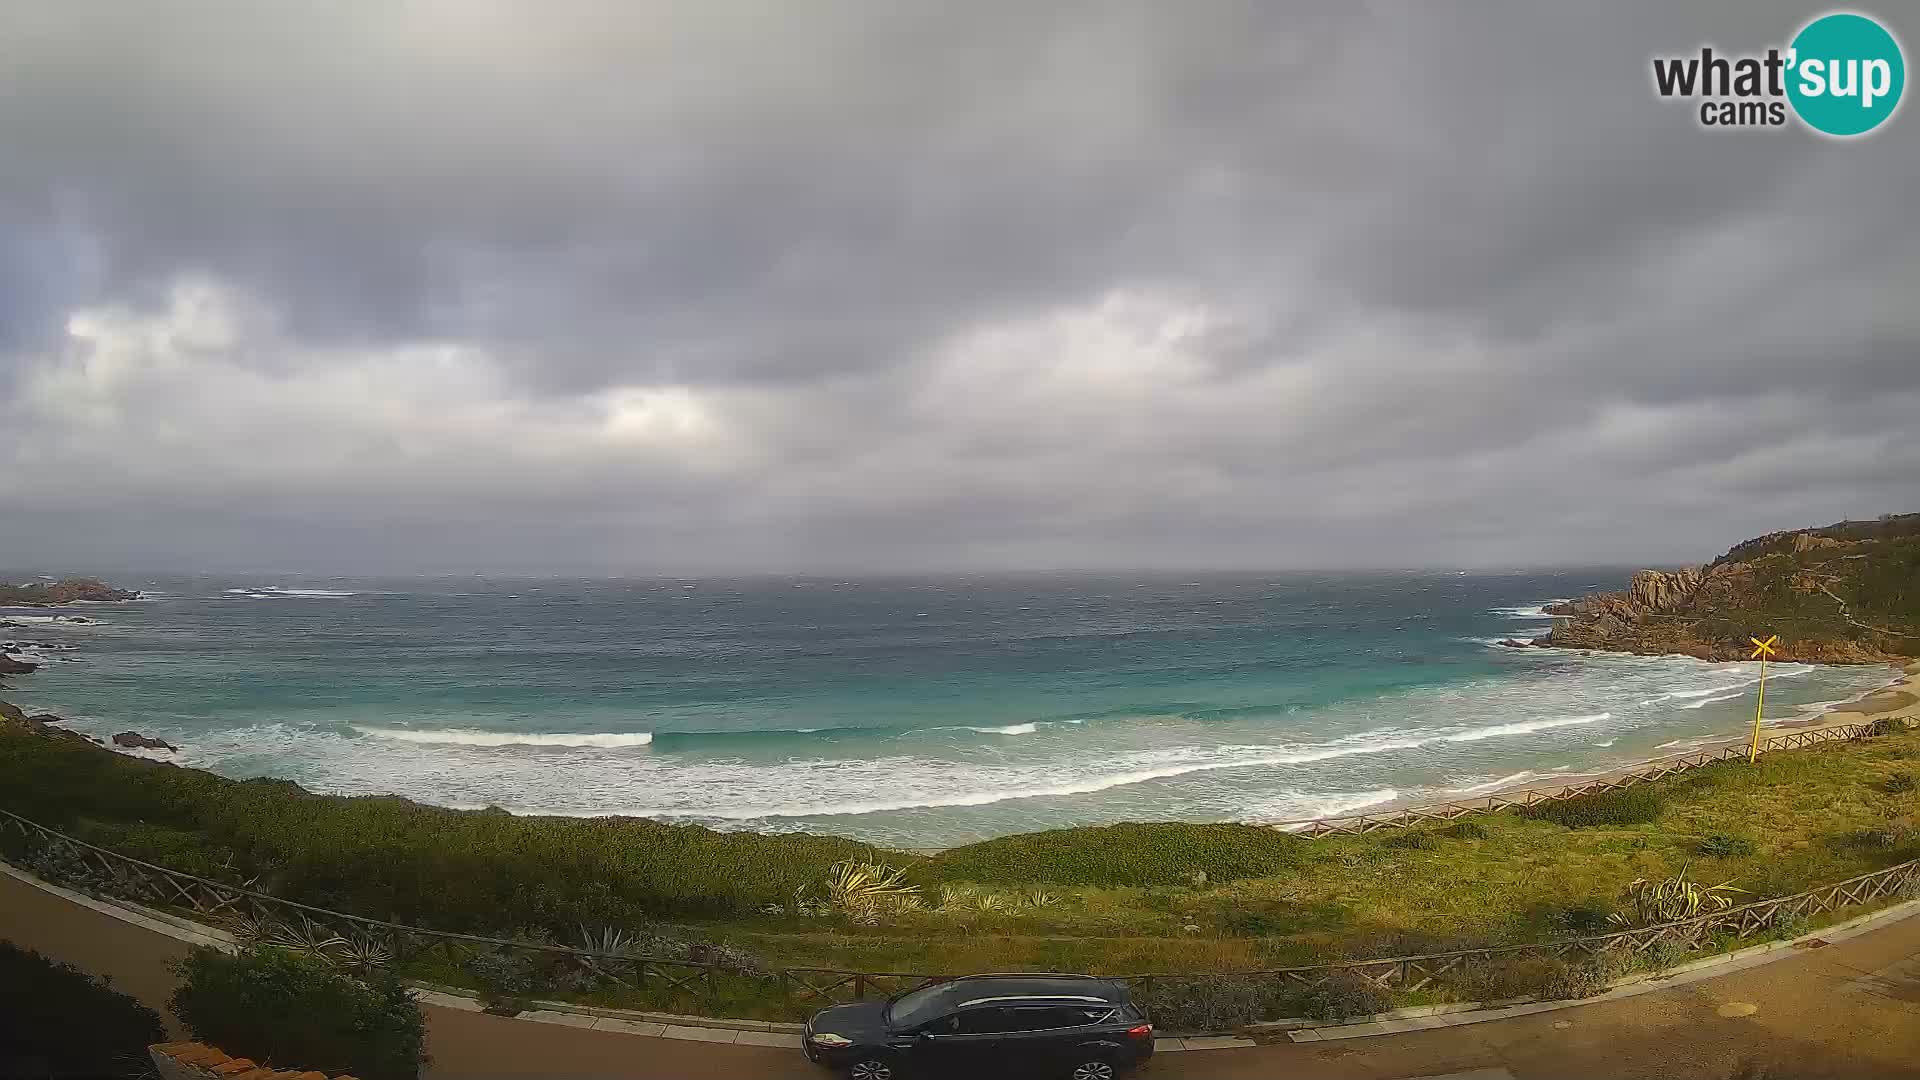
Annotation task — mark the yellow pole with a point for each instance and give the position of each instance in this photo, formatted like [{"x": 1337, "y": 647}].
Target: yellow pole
[{"x": 1754, "y": 750}]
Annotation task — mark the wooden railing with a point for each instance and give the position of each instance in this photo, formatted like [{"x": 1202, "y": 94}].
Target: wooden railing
[{"x": 1643, "y": 772}]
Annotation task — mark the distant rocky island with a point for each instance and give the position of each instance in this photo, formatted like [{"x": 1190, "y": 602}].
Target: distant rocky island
[
  {"x": 1848, "y": 593},
  {"x": 55, "y": 593}
]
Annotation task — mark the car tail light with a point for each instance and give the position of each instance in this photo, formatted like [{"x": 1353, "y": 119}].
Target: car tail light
[{"x": 1140, "y": 1031}]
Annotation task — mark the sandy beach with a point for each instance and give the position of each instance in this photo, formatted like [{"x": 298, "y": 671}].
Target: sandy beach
[{"x": 1899, "y": 699}]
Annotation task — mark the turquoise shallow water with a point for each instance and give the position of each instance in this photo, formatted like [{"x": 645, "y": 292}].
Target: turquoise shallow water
[{"x": 920, "y": 712}]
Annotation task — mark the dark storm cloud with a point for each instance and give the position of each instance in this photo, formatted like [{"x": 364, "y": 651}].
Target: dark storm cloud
[{"x": 627, "y": 287}]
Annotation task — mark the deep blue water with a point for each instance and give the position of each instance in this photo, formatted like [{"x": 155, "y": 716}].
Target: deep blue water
[{"x": 921, "y": 712}]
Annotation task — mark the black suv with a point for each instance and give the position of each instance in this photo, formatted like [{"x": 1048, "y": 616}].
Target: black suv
[{"x": 1074, "y": 1027}]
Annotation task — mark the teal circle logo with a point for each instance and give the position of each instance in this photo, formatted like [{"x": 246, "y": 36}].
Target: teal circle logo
[{"x": 1846, "y": 74}]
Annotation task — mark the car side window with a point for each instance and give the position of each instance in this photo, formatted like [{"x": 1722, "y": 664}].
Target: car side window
[
  {"x": 985, "y": 1022},
  {"x": 1050, "y": 1017},
  {"x": 946, "y": 1025}
]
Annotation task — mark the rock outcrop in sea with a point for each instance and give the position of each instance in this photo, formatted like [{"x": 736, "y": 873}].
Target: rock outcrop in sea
[
  {"x": 1845, "y": 594},
  {"x": 133, "y": 740}
]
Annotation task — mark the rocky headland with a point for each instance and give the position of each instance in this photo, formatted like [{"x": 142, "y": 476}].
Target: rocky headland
[
  {"x": 1847, "y": 593},
  {"x": 56, "y": 593}
]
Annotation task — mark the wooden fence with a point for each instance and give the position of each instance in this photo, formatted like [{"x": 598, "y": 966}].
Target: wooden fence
[
  {"x": 710, "y": 980},
  {"x": 1644, "y": 772}
]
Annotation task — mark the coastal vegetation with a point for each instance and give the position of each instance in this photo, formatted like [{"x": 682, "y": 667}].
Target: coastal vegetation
[
  {"x": 293, "y": 1011},
  {"x": 1127, "y": 899},
  {"x": 59, "y": 1021}
]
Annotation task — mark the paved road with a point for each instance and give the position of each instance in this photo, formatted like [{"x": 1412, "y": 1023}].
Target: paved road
[{"x": 1849, "y": 1011}]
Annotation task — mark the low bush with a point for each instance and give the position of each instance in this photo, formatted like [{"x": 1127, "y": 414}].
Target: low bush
[
  {"x": 1465, "y": 829},
  {"x": 1132, "y": 854},
  {"x": 1585, "y": 918},
  {"x": 43, "y": 1005},
  {"x": 1636, "y": 805},
  {"x": 1346, "y": 995},
  {"x": 1503, "y": 978},
  {"x": 298, "y": 1012},
  {"x": 1899, "y": 783},
  {"x": 1413, "y": 841},
  {"x": 1218, "y": 1003},
  {"x": 1894, "y": 836},
  {"x": 1566, "y": 981},
  {"x": 1725, "y": 846}
]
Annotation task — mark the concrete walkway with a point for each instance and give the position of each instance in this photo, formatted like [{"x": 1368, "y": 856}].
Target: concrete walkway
[{"x": 1843, "y": 1011}]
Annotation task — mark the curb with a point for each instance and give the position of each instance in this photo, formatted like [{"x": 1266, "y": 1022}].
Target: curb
[{"x": 1707, "y": 967}]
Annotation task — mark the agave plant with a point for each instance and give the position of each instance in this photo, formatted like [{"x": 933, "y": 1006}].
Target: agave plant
[
  {"x": 306, "y": 937},
  {"x": 607, "y": 941},
  {"x": 986, "y": 903},
  {"x": 1673, "y": 899},
  {"x": 866, "y": 891},
  {"x": 250, "y": 928},
  {"x": 363, "y": 953},
  {"x": 1040, "y": 898}
]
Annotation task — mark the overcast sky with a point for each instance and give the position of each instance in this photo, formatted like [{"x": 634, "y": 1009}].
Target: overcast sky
[{"x": 623, "y": 287}]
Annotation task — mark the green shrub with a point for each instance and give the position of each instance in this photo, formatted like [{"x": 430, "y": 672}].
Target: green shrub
[
  {"x": 1216, "y": 1003},
  {"x": 1465, "y": 829},
  {"x": 1566, "y": 981},
  {"x": 1507, "y": 977},
  {"x": 1413, "y": 841},
  {"x": 1891, "y": 837},
  {"x": 1345, "y": 995},
  {"x": 1788, "y": 927},
  {"x": 42, "y": 1007},
  {"x": 1585, "y": 918},
  {"x": 1131, "y": 854},
  {"x": 1899, "y": 783},
  {"x": 298, "y": 1012},
  {"x": 1725, "y": 846},
  {"x": 1636, "y": 805}
]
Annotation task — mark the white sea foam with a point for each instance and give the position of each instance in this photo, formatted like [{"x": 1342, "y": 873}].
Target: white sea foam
[
  {"x": 1535, "y": 610},
  {"x": 458, "y": 737},
  {"x": 51, "y": 620},
  {"x": 1704, "y": 702},
  {"x": 1006, "y": 729},
  {"x": 275, "y": 592},
  {"x": 1301, "y": 806},
  {"x": 1510, "y": 780},
  {"x": 1523, "y": 727},
  {"x": 581, "y": 778}
]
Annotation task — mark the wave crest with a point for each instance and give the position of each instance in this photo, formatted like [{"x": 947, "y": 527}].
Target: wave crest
[{"x": 462, "y": 737}]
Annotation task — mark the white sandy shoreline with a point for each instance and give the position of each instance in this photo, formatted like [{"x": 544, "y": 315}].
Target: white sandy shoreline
[{"x": 1899, "y": 698}]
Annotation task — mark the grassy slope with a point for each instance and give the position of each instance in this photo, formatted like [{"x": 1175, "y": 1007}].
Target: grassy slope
[
  {"x": 1362, "y": 896},
  {"x": 1876, "y": 571}
]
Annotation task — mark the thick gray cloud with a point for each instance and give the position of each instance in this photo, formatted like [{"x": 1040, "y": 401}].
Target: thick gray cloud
[{"x": 630, "y": 288}]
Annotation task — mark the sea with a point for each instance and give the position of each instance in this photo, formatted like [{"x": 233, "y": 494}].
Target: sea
[{"x": 912, "y": 712}]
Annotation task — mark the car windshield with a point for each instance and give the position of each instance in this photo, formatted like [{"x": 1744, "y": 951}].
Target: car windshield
[{"x": 915, "y": 1007}]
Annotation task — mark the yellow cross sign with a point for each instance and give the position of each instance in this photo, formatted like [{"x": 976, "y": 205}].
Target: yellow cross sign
[{"x": 1762, "y": 650}]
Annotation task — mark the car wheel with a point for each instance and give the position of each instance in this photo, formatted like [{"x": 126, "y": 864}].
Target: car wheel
[
  {"x": 1094, "y": 1069},
  {"x": 872, "y": 1068}
]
